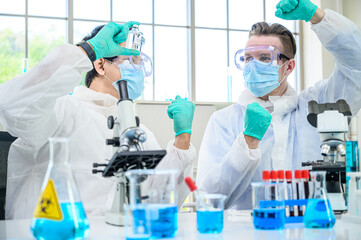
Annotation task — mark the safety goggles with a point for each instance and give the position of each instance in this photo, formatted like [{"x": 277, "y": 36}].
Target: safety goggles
[
  {"x": 142, "y": 62},
  {"x": 268, "y": 55}
]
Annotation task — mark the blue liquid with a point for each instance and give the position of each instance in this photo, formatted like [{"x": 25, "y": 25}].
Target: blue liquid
[
  {"x": 210, "y": 221},
  {"x": 43, "y": 228},
  {"x": 164, "y": 220},
  {"x": 269, "y": 218},
  {"x": 319, "y": 214}
]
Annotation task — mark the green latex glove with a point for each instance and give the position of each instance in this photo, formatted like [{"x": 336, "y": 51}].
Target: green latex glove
[
  {"x": 106, "y": 42},
  {"x": 256, "y": 121},
  {"x": 181, "y": 111},
  {"x": 295, "y": 10}
]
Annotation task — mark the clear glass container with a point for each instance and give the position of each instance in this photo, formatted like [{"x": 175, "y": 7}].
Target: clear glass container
[
  {"x": 153, "y": 195},
  {"x": 59, "y": 213},
  {"x": 268, "y": 205},
  {"x": 319, "y": 213},
  {"x": 210, "y": 209}
]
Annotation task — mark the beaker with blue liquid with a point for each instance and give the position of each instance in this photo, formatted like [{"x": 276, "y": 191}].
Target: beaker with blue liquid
[
  {"x": 319, "y": 213},
  {"x": 210, "y": 208},
  {"x": 153, "y": 198},
  {"x": 268, "y": 205},
  {"x": 59, "y": 213}
]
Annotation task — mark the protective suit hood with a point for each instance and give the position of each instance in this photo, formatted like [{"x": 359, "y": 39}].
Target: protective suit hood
[{"x": 100, "y": 102}]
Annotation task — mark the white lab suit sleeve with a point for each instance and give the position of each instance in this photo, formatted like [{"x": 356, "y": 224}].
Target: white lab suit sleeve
[
  {"x": 176, "y": 158},
  {"x": 27, "y": 101},
  {"x": 342, "y": 38},
  {"x": 226, "y": 164}
]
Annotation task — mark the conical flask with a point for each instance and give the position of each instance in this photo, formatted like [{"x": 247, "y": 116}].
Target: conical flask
[
  {"x": 59, "y": 213},
  {"x": 319, "y": 213}
]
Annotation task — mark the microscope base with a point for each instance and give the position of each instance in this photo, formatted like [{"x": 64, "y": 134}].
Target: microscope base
[
  {"x": 115, "y": 218},
  {"x": 351, "y": 218},
  {"x": 337, "y": 202}
]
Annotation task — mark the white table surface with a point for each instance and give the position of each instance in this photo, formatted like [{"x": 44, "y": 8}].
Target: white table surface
[{"x": 237, "y": 225}]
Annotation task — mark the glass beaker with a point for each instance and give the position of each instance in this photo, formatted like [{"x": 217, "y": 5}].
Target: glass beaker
[
  {"x": 268, "y": 205},
  {"x": 210, "y": 213},
  {"x": 137, "y": 223},
  {"x": 154, "y": 191},
  {"x": 319, "y": 213},
  {"x": 59, "y": 213}
]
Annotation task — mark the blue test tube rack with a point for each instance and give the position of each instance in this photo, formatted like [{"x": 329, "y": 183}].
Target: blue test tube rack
[{"x": 289, "y": 203}]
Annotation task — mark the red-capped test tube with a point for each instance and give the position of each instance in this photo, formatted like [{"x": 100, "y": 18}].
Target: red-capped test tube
[
  {"x": 281, "y": 176},
  {"x": 306, "y": 178},
  {"x": 273, "y": 188},
  {"x": 290, "y": 210},
  {"x": 265, "y": 176},
  {"x": 300, "y": 190}
]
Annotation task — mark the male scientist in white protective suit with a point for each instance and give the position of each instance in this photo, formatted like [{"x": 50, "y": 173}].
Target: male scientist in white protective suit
[
  {"x": 267, "y": 129},
  {"x": 37, "y": 105}
]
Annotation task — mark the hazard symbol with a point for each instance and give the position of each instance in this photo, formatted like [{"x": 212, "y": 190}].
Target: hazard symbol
[{"x": 48, "y": 204}]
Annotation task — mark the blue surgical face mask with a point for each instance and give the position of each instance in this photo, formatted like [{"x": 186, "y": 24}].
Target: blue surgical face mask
[
  {"x": 134, "y": 78},
  {"x": 261, "y": 78}
]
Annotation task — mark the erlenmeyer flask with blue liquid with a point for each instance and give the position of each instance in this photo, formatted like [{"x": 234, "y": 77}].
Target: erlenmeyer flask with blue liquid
[
  {"x": 319, "y": 213},
  {"x": 59, "y": 213}
]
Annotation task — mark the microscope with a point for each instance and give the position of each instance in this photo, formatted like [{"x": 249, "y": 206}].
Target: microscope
[
  {"x": 331, "y": 121},
  {"x": 128, "y": 137},
  {"x": 128, "y": 153}
]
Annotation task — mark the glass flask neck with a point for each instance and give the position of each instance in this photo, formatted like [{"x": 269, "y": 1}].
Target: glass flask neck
[
  {"x": 59, "y": 151},
  {"x": 319, "y": 183}
]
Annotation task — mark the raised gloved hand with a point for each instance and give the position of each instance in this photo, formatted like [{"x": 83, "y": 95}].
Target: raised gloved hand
[
  {"x": 106, "y": 42},
  {"x": 181, "y": 111},
  {"x": 295, "y": 10},
  {"x": 256, "y": 121}
]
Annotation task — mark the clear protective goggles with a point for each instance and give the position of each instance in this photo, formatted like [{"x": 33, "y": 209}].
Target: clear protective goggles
[
  {"x": 268, "y": 55},
  {"x": 142, "y": 62}
]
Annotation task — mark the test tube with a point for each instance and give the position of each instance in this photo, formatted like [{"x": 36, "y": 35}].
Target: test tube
[
  {"x": 306, "y": 177},
  {"x": 300, "y": 190},
  {"x": 281, "y": 176},
  {"x": 266, "y": 178},
  {"x": 289, "y": 194},
  {"x": 273, "y": 180}
]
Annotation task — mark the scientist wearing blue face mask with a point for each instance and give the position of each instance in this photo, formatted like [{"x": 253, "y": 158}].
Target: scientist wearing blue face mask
[
  {"x": 267, "y": 129},
  {"x": 37, "y": 105}
]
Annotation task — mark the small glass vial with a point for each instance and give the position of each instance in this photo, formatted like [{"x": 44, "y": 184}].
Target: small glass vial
[{"x": 135, "y": 38}]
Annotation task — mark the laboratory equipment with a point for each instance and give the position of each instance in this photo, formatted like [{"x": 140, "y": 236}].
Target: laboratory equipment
[
  {"x": 137, "y": 223},
  {"x": 331, "y": 121},
  {"x": 352, "y": 152},
  {"x": 153, "y": 195},
  {"x": 25, "y": 65},
  {"x": 319, "y": 213},
  {"x": 300, "y": 191},
  {"x": 128, "y": 153},
  {"x": 59, "y": 213},
  {"x": 135, "y": 38},
  {"x": 210, "y": 208},
  {"x": 136, "y": 41},
  {"x": 354, "y": 198},
  {"x": 268, "y": 55},
  {"x": 268, "y": 211}
]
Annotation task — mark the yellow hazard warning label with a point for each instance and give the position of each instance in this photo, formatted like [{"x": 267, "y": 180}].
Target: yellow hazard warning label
[{"x": 48, "y": 204}]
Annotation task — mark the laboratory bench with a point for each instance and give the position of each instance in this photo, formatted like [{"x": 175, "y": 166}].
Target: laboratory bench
[{"x": 237, "y": 225}]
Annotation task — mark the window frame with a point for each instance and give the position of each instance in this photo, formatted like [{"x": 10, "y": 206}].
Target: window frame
[{"x": 191, "y": 29}]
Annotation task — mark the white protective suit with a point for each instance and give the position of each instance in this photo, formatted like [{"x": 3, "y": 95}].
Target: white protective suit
[
  {"x": 226, "y": 165},
  {"x": 37, "y": 105}
]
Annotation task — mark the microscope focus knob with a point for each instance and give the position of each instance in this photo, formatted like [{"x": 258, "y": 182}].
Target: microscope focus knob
[
  {"x": 113, "y": 141},
  {"x": 110, "y": 122}
]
